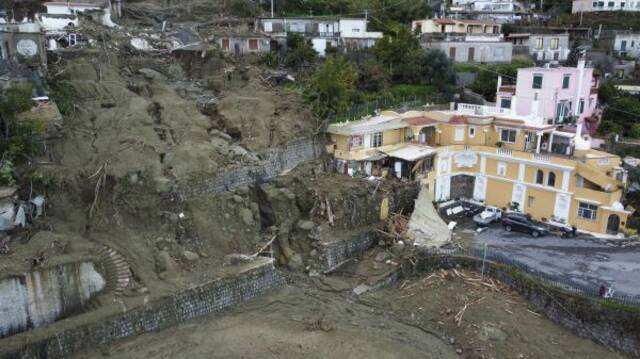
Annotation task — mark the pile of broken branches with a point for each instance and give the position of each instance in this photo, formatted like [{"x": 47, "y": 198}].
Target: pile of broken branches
[{"x": 395, "y": 229}]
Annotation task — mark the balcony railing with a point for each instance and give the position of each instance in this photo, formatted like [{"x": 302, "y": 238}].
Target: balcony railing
[{"x": 480, "y": 110}]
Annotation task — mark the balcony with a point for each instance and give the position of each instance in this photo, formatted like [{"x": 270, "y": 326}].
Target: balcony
[{"x": 480, "y": 110}]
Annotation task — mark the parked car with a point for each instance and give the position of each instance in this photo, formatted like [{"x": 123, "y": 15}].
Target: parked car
[
  {"x": 521, "y": 223},
  {"x": 487, "y": 216}
]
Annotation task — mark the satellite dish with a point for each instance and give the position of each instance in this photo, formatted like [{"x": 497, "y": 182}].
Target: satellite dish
[{"x": 27, "y": 48}]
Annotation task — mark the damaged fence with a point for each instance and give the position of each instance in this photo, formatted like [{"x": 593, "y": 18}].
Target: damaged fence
[
  {"x": 273, "y": 163},
  {"x": 399, "y": 103}
]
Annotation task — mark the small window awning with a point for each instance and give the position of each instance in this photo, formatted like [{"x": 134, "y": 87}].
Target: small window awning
[{"x": 410, "y": 152}]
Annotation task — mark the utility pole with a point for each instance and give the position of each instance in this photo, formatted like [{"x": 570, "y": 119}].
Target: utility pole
[{"x": 272, "y": 9}]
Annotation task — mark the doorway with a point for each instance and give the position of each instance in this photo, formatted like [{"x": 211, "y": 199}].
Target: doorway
[{"x": 613, "y": 224}]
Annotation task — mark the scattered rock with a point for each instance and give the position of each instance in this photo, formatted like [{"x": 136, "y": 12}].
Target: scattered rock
[
  {"x": 166, "y": 263},
  {"x": 452, "y": 340},
  {"x": 237, "y": 198},
  {"x": 150, "y": 74},
  {"x": 242, "y": 190},
  {"x": 295, "y": 263},
  {"x": 220, "y": 134},
  {"x": 306, "y": 225},
  {"x": 190, "y": 256},
  {"x": 490, "y": 332},
  {"x": 247, "y": 216},
  {"x": 382, "y": 256},
  {"x": 459, "y": 351},
  {"x": 361, "y": 289},
  {"x": 313, "y": 253},
  {"x": 236, "y": 259}
]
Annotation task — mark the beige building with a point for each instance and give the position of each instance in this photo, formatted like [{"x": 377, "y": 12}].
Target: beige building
[{"x": 488, "y": 155}]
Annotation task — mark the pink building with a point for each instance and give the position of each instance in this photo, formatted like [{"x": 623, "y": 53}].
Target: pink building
[{"x": 553, "y": 93}]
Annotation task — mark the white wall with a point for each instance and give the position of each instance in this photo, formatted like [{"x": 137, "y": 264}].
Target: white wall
[
  {"x": 353, "y": 28},
  {"x": 41, "y": 297},
  {"x": 50, "y": 23}
]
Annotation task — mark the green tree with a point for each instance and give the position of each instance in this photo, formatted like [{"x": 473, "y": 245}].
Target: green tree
[
  {"x": 622, "y": 116},
  {"x": 437, "y": 69},
  {"x": 18, "y": 138},
  {"x": 331, "y": 88},
  {"x": 486, "y": 80},
  {"x": 300, "y": 52},
  {"x": 372, "y": 76},
  {"x": 391, "y": 13},
  {"x": 401, "y": 54}
]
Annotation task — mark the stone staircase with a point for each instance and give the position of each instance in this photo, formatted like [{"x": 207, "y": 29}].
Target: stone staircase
[{"x": 117, "y": 270}]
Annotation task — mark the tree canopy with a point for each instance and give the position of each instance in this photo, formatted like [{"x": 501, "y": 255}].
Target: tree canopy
[{"x": 332, "y": 86}]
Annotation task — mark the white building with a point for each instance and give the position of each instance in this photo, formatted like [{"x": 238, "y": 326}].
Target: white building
[
  {"x": 497, "y": 10},
  {"x": 579, "y": 6},
  {"x": 542, "y": 47},
  {"x": 343, "y": 33},
  {"x": 627, "y": 44}
]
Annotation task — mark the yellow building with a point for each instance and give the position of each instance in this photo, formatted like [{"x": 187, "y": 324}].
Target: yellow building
[{"x": 489, "y": 155}]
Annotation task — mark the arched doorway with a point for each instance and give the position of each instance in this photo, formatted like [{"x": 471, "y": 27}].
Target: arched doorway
[{"x": 613, "y": 223}]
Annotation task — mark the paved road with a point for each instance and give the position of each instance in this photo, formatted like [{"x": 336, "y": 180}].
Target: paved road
[{"x": 585, "y": 261}]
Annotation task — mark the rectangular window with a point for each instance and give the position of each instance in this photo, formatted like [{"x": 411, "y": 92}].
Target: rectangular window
[
  {"x": 508, "y": 136},
  {"x": 610, "y": 4},
  {"x": 539, "y": 43},
  {"x": 595, "y": 4},
  {"x": 565, "y": 81},
  {"x": 581, "y": 106},
  {"x": 355, "y": 141},
  {"x": 587, "y": 211},
  {"x": 377, "y": 139},
  {"x": 531, "y": 200},
  {"x": 459, "y": 134},
  {"x": 268, "y": 26},
  {"x": 502, "y": 169},
  {"x": 253, "y": 44},
  {"x": 505, "y": 103},
  {"x": 555, "y": 43},
  {"x": 537, "y": 81}
]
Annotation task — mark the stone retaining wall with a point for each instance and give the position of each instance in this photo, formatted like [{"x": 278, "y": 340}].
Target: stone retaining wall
[
  {"x": 335, "y": 253},
  {"x": 158, "y": 314},
  {"x": 274, "y": 163},
  {"x": 609, "y": 324}
]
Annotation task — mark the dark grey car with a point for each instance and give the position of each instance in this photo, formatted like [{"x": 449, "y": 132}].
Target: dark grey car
[{"x": 520, "y": 223}]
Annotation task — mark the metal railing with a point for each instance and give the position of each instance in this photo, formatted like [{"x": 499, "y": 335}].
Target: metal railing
[
  {"x": 583, "y": 290},
  {"x": 400, "y": 103}
]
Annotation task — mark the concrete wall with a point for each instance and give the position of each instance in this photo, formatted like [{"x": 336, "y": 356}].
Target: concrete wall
[
  {"x": 41, "y": 297},
  {"x": 157, "y": 314},
  {"x": 275, "y": 162}
]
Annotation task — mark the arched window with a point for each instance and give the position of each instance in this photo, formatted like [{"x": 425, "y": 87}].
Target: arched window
[
  {"x": 551, "y": 180},
  {"x": 540, "y": 177}
]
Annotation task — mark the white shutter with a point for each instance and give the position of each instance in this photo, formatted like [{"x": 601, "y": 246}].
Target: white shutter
[
  {"x": 268, "y": 26},
  {"x": 367, "y": 140}
]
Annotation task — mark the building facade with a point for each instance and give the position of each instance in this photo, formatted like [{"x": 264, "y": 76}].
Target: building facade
[
  {"x": 553, "y": 93},
  {"x": 341, "y": 33},
  {"x": 627, "y": 44},
  {"x": 541, "y": 47},
  {"x": 465, "y": 41},
  {"x": 493, "y": 157},
  {"x": 579, "y": 6},
  {"x": 504, "y": 11}
]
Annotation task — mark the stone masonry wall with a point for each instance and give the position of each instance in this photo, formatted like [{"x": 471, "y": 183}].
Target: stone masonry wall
[
  {"x": 609, "y": 324},
  {"x": 158, "y": 314},
  {"x": 337, "y": 252},
  {"x": 274, "y": 163}
]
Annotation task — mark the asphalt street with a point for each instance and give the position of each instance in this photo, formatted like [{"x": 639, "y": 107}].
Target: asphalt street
[{"x": 583, "y": 260}]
